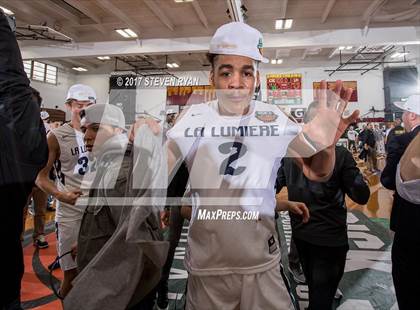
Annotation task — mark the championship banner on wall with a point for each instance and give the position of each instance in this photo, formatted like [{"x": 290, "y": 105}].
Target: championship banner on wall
[
  {"x": 182, "y": 95},
  {"x": 346, "y": 84},
  {"x": 284, "y": 88}
]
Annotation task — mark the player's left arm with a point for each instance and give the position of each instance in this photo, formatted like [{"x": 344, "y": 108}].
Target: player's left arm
[{"x": 313, "y": 149}]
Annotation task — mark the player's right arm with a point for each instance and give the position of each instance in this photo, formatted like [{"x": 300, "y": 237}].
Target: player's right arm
[{"x": 43, "y": 181}]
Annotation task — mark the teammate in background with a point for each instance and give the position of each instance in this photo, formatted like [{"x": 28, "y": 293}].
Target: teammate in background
[
  {"x": 68, "y": 155},
  {"x": 352, "y": 136},
  {"x": 233, "y": 147},
  {"x": 114, "y": 230}
]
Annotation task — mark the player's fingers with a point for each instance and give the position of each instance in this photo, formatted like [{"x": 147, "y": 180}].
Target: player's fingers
[
  {"x": 338, "y": 87},
  {"x": 322, "y": 95},
  {"x": 342, "y": 105},
  {"x": 297, "y": 210},
  {"x": 347, "y": 94},
  {"x": 352, "y": 118},
  {"x": 305, "y": 213}
]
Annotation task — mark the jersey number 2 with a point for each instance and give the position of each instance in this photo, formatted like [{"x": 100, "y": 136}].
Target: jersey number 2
[{"x": 226, "y": 148}]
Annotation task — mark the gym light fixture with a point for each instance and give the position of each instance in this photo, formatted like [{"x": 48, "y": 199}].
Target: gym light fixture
[
  {"x": 276, "y": 61},
  {"x": 285, "y": 23},
  {"x": 181, "y": 1},
  {"x": 103, "y": 57},
  {"x": 349, "y": 47},
  {"x": 399, "y": 55},
  {"x": 80, "y": 69},
  {"x": 341, "y": 48},
  {"x": 172, "y": 65},
  {"x": 126, "y": 33}
]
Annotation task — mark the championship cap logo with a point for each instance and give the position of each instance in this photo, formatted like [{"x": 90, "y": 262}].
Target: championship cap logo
[{"x": 266, "y": 116}]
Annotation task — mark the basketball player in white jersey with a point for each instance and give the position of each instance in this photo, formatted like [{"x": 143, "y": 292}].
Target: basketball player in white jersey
[
  {"x": 233, "y": 147},
  {"x": 68, "y": 155}
]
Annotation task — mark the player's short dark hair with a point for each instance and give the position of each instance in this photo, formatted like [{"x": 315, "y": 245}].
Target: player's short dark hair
[
  {"x": 36, "y": 96},
  {"x": 211, "y": 58}
]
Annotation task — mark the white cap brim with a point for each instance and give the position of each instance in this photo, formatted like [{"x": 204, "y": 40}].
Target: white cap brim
[{"x": 399, "y": 104}]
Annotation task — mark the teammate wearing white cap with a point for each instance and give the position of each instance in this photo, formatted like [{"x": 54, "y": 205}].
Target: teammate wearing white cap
[
  {"x": 68, "y": 155},
  {"x": 233, "y": 147}
]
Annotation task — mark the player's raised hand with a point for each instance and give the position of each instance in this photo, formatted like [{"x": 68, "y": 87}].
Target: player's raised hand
[
  {"x": 69, "y": 197},
  {"x": 328, "y": 125}
]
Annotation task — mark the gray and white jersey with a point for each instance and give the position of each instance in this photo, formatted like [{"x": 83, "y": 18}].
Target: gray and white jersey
[
  {"x": 71, "y": 169},
  {"x": 233, "y": 163}
]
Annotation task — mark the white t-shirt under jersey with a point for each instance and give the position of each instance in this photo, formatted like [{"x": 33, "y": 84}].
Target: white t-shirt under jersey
[
  {"x": 71, "y": 169},
  {"x": 233, "y": 164}
]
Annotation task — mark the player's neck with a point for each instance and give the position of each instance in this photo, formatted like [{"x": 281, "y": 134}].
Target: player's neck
[
  {"x": 75, "y": 124},
  {"x": 233, "y": 111}
]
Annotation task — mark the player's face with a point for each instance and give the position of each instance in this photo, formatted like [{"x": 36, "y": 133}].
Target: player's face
[
  {"x": 235, "y": 79},
  {"x": 76, "y": 106},
  {"x": 95, "y": 135}
]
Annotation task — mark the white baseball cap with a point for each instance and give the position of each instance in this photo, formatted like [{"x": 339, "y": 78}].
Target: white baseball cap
[
  {"x": 81, "y": 92},
  {"x": 104, "y": 113},
  {"x": 412, "y": 104},
  {"x": 237, "y": 38},
  {"x": 44, "y": 115}
]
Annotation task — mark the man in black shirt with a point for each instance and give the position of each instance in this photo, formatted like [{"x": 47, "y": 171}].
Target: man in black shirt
[{"x": 322, "y": 243}]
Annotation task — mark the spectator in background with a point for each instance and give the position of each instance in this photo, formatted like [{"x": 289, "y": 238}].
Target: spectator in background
[
  {"x": 379, "y": 138},
  {"x": 352, "y": 136},
  {"x": 45, "y": 116},
  {"x": 405, "y": 216},
  {"x": 396, "y": 131},
  {"x": 23, "y": 152},
  {"x": 388, "y": 127},
  {"x": 322, "y": 242},
  {"x": 369, "y": 145}
]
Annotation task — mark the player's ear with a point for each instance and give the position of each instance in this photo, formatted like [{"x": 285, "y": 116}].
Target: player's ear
[
  {"x": 211, "y": 77},
  {"x": 257, "y": 80}
]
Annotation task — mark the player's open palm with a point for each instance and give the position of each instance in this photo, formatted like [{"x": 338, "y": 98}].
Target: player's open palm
[{"x": 328, "y": 125}]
